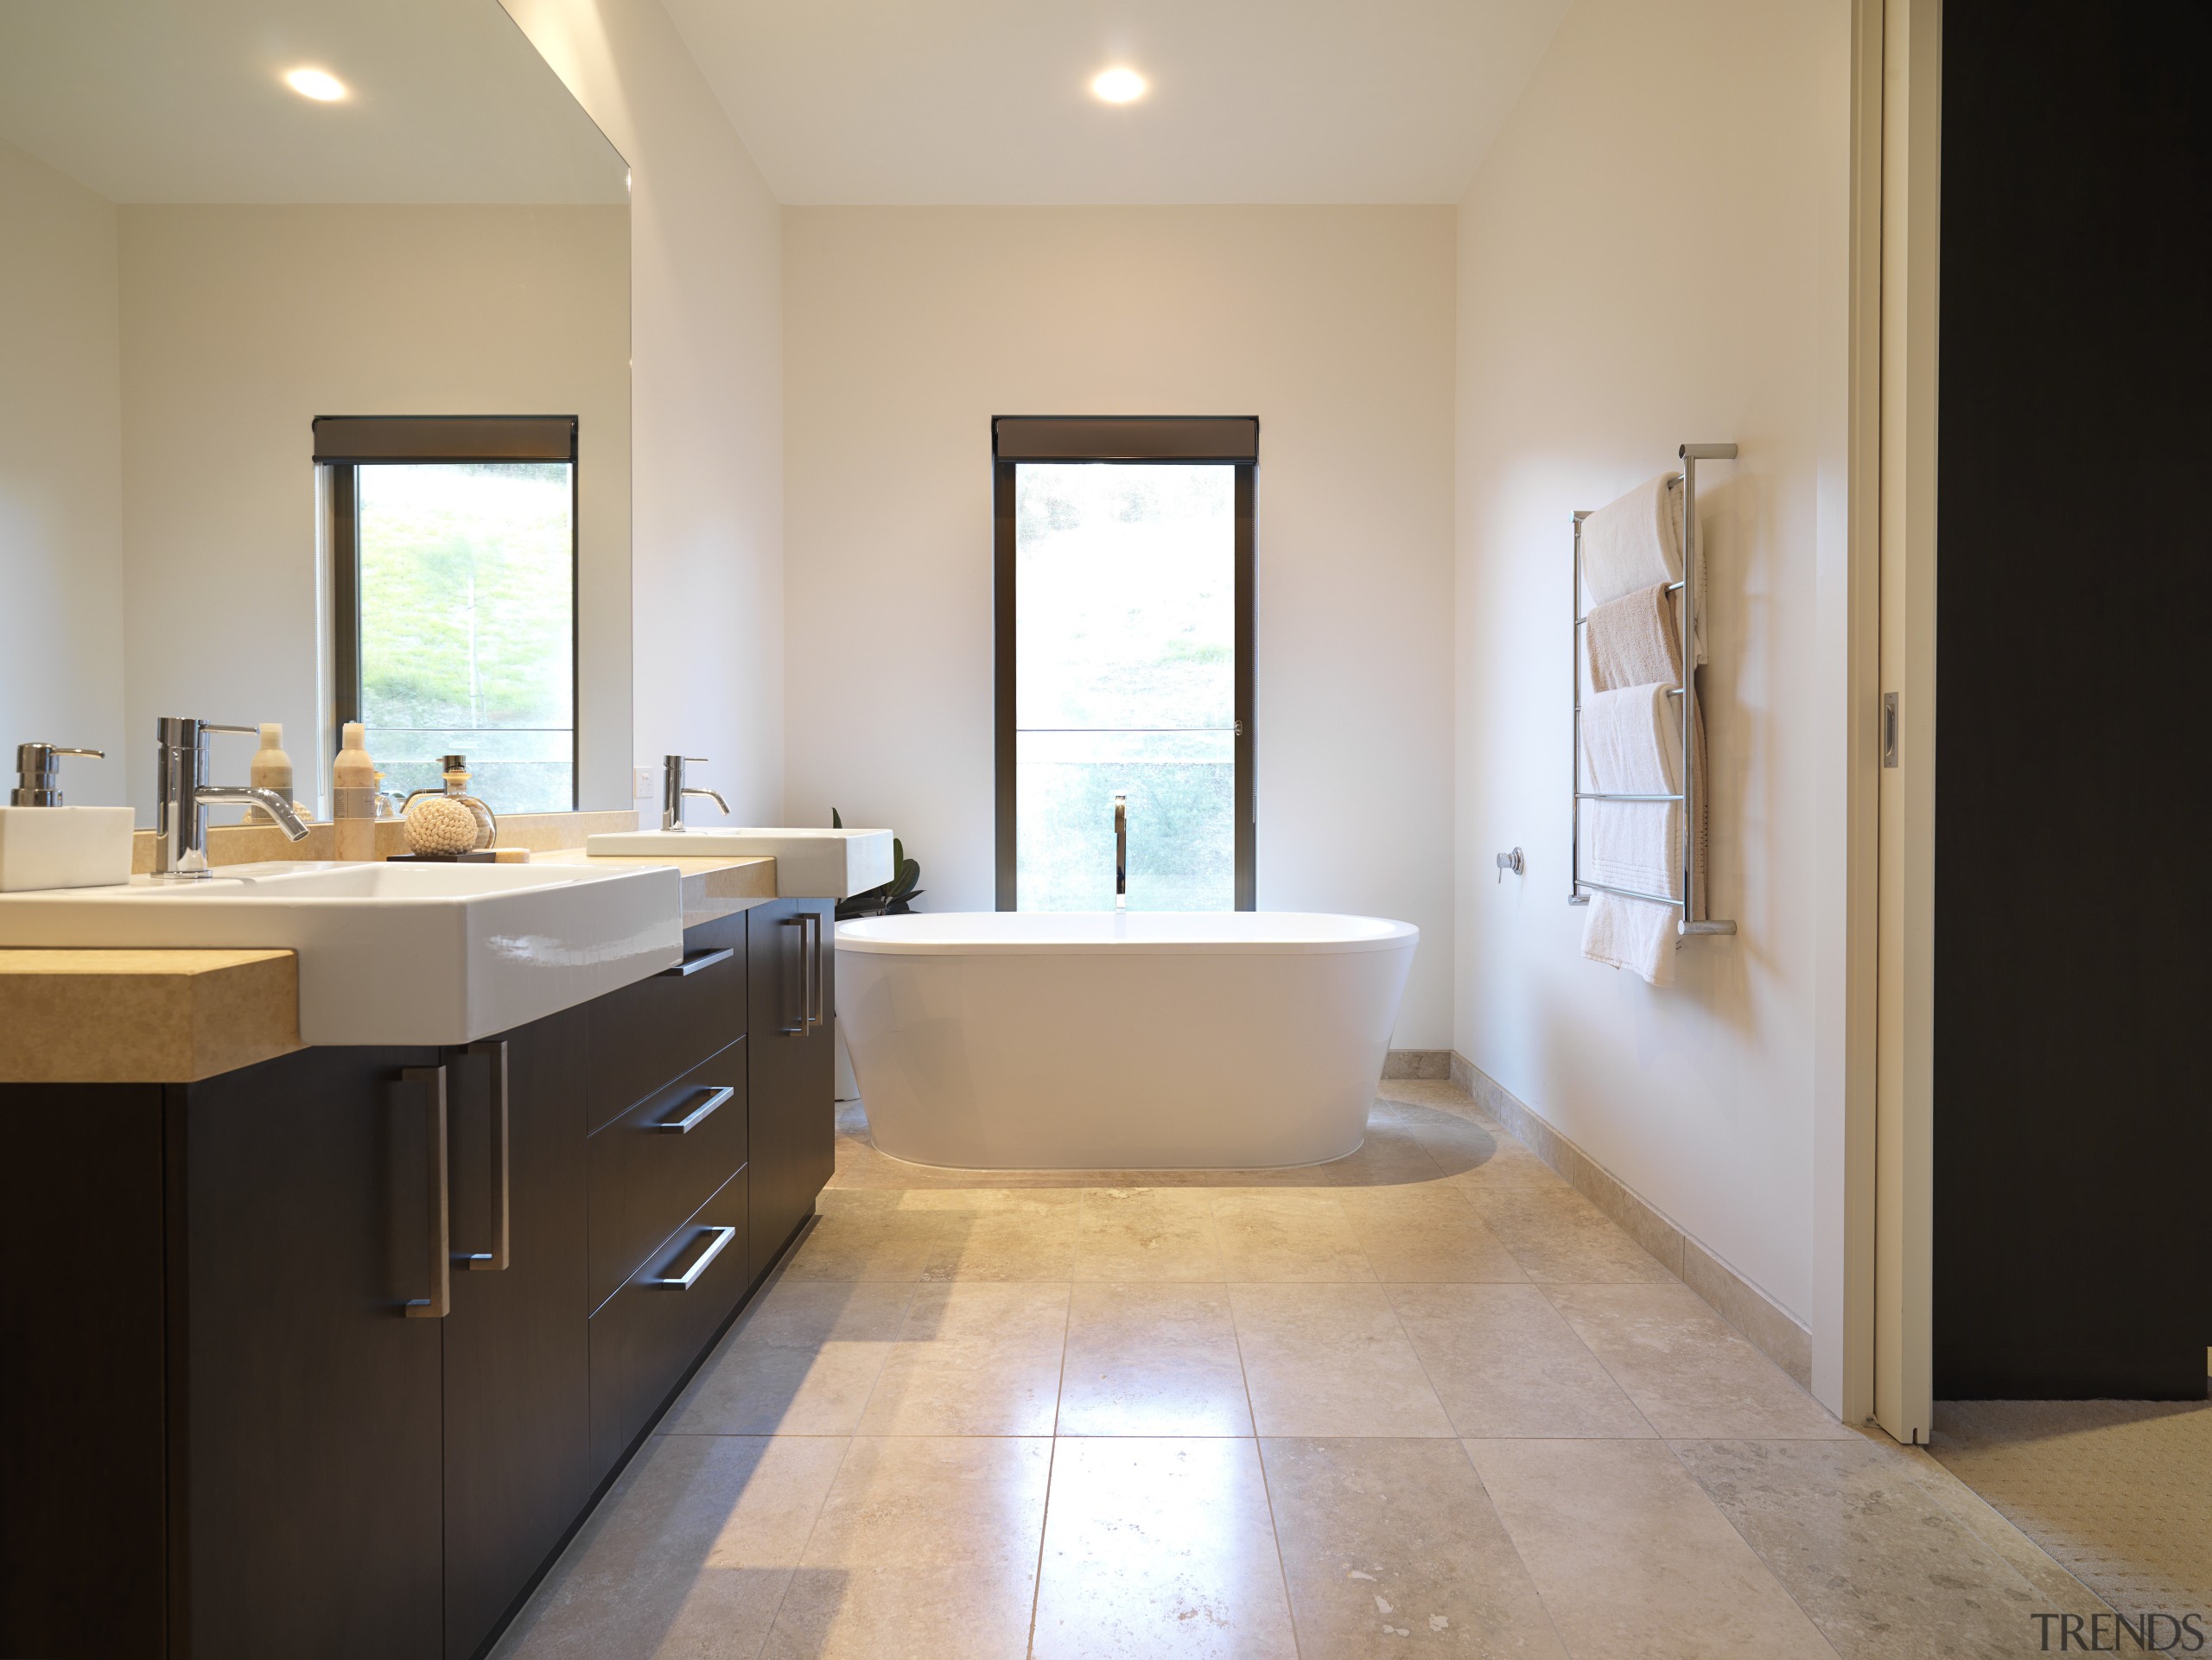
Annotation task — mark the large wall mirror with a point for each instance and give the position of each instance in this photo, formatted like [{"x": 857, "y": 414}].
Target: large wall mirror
[{"x": 230, "y": 226}]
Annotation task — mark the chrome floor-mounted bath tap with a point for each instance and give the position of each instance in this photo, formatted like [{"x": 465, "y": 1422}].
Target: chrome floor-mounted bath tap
[{"x": 1121, "y": 849}]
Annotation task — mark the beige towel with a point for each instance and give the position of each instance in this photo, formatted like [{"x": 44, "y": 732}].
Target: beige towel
[
  {"x": 1636, "y": 641},
  {"x": 1633, "y": 641},
  {"x": 1636, "y": 541},
  {"x": 1631, "y": 741}
]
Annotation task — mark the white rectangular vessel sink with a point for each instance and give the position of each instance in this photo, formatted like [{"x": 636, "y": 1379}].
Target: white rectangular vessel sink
[
  {"x": 395, "y": 953},
  {"x": 810, "y": 864}
]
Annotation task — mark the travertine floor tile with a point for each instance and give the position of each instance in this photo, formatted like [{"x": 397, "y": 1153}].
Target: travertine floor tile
[
  {"x": 1437, "y": 1092},
  {"x": 1282, "y": 1235},
  {"x": 1001, "y": 1234},
  {"x": 1146, "y": 1233},
  {"x": 1156, "y": 1548},
  {"x": 1885, "y": 1573},
  {"x": 1505, "y": 1363},
  {"x": 1429, "y": 1234},
  {"x": 1475, "y": 1151},
  {"x": 1632, "y": 1557},
  {"x": 1561, "y": 1238},
  {"x": 1332, "y": 1360},
  {"x": 1688, "y": 1371},
  {"x": 865, "y": 1237},
  {"x": 960, "y": 1318},
  {"x": 1153, "y": 1359},
  {"x": 1392, "y": 1547},
  {"x": 689, "y": 1554},
  {"x": 800, "y": 1362},
  {"x": 923, "y": 1547},
  {"x": 973, "y": 1357},
  {"x": 1391, "y": 1156}
]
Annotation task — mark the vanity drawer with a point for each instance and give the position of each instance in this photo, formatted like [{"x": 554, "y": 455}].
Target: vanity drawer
[
  {"x": 646, "y": 1172},
  {"x": 650, "y": 1330},
  {"x": 662, "y": 1027}
]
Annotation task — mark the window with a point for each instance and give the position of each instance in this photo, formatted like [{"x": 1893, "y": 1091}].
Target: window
[
  {"x": 453, "y": 584},
  {"x": 1124, "y": 572}
]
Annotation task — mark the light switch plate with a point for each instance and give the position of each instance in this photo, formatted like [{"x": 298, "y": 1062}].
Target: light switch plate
[{"x": 641, "y": 783}]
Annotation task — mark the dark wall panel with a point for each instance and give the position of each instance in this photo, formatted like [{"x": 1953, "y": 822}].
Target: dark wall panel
[{"x": 2073, "y": 1115}]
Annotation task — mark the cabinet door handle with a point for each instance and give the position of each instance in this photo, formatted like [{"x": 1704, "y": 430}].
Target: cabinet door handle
[
  {"x": 716, "y": 1093},
  {"x": 502, "y": 1158},
  {"x": 432, "y": 1079},
  {"x": 691, "y": 964},
  {"x": 690, "y": 1277},
  {"x": 814, "y": 991},
  {"x": 786, "y": 1024}
]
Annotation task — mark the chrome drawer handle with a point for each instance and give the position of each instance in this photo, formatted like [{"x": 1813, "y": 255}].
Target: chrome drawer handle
[
  {"x": 432, "y": 1082},
  {"x": 698, "y": 960},
  {"x": 716, "y": 1094},
  {"x": 689, "y": 1276},
  {"x": 502, "y": 1160}
]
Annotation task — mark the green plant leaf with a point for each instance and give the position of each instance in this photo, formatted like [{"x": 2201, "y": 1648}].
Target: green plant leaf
[{"x": 836, "y": 822}]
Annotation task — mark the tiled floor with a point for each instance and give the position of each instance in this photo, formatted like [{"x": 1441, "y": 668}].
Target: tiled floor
[{"x": 1426, "y": 1399}]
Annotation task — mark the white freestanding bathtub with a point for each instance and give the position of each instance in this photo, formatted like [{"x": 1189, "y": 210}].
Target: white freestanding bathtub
[{"x": 1004, "y": 1040}]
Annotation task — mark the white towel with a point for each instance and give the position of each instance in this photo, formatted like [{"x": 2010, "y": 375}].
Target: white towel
[
  {"x": 1637, "y": 541},
  {"x": 1630, "y": 748}
]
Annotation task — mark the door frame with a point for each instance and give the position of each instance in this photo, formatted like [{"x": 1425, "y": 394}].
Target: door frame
[
  {"x": 1904, "y": 1200},
  {"x": 1877, "y": 1367}
]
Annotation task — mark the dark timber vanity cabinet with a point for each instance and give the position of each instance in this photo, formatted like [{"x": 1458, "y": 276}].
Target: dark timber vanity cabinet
[{"x": 233, "y": 1421}]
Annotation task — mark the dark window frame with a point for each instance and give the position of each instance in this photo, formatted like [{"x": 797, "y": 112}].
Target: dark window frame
[
  {"x": 345, "y": 444},
  {"x": 1129, "y": 440}
]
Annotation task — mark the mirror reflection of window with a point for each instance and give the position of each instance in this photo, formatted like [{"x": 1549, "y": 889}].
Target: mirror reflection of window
[{"x": 454, "y": 582}]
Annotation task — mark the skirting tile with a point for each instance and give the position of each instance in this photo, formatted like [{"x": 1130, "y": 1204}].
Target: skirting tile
[
  {"x": 1418, "y": 1063},
  {"x": 1744, "y": 1307},
  {"x": 1735, "y": 1299}
]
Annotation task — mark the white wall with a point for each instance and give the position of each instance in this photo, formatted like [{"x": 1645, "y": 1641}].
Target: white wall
[
  {"x": 61, "y": 475},
  {"x": 1654, "y": 252},
  {"x": 707, "y": 390},
  {"x": 240, "y": 325},
  {"x": 908, "y": 328}
]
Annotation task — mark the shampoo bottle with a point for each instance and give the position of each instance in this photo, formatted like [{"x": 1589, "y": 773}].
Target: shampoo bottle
[
  {"x": 271, "y": 770},
  {"x": 353, "y": 798}
]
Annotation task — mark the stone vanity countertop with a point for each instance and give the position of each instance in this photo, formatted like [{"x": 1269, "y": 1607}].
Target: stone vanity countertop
[{"x": 144, "y": 1016}]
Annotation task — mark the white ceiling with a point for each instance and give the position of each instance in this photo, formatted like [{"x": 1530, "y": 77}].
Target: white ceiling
[
  {"x": 180, "y": 101},
  {"x": 984, "y": 101}
]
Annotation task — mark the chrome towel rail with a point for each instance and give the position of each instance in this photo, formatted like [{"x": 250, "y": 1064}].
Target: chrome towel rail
[{"x": 1579, "y": 888}]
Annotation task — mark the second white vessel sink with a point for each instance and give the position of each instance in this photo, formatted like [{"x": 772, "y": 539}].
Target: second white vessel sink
[
  {"x": 810, "y": 864},
  {"x": 395, "y": 953}
]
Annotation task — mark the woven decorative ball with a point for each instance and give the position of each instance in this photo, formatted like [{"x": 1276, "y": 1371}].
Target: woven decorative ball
[{"x": 435, "y": 824}]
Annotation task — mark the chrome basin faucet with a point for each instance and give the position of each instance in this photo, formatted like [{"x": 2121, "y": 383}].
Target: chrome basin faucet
[
  {"x": 673, "y": 789},
  {"x": 1121, "y": 849},
  {"x": 181, "y": 797}
]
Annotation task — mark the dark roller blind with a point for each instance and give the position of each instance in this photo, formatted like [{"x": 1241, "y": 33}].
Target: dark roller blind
[
  {"x": 1233, "y": 438},
  {"x": 350, "y": 438}
]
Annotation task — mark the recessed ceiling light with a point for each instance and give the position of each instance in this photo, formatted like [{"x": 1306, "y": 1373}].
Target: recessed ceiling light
[
  {"x": 323, "y": 87},
  {"x": 1118, "y": 85}
]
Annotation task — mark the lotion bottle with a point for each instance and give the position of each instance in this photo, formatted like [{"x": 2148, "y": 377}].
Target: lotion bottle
[
  {"x": 353, "y": 798},
  {"x": 272, "y": 769}
]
